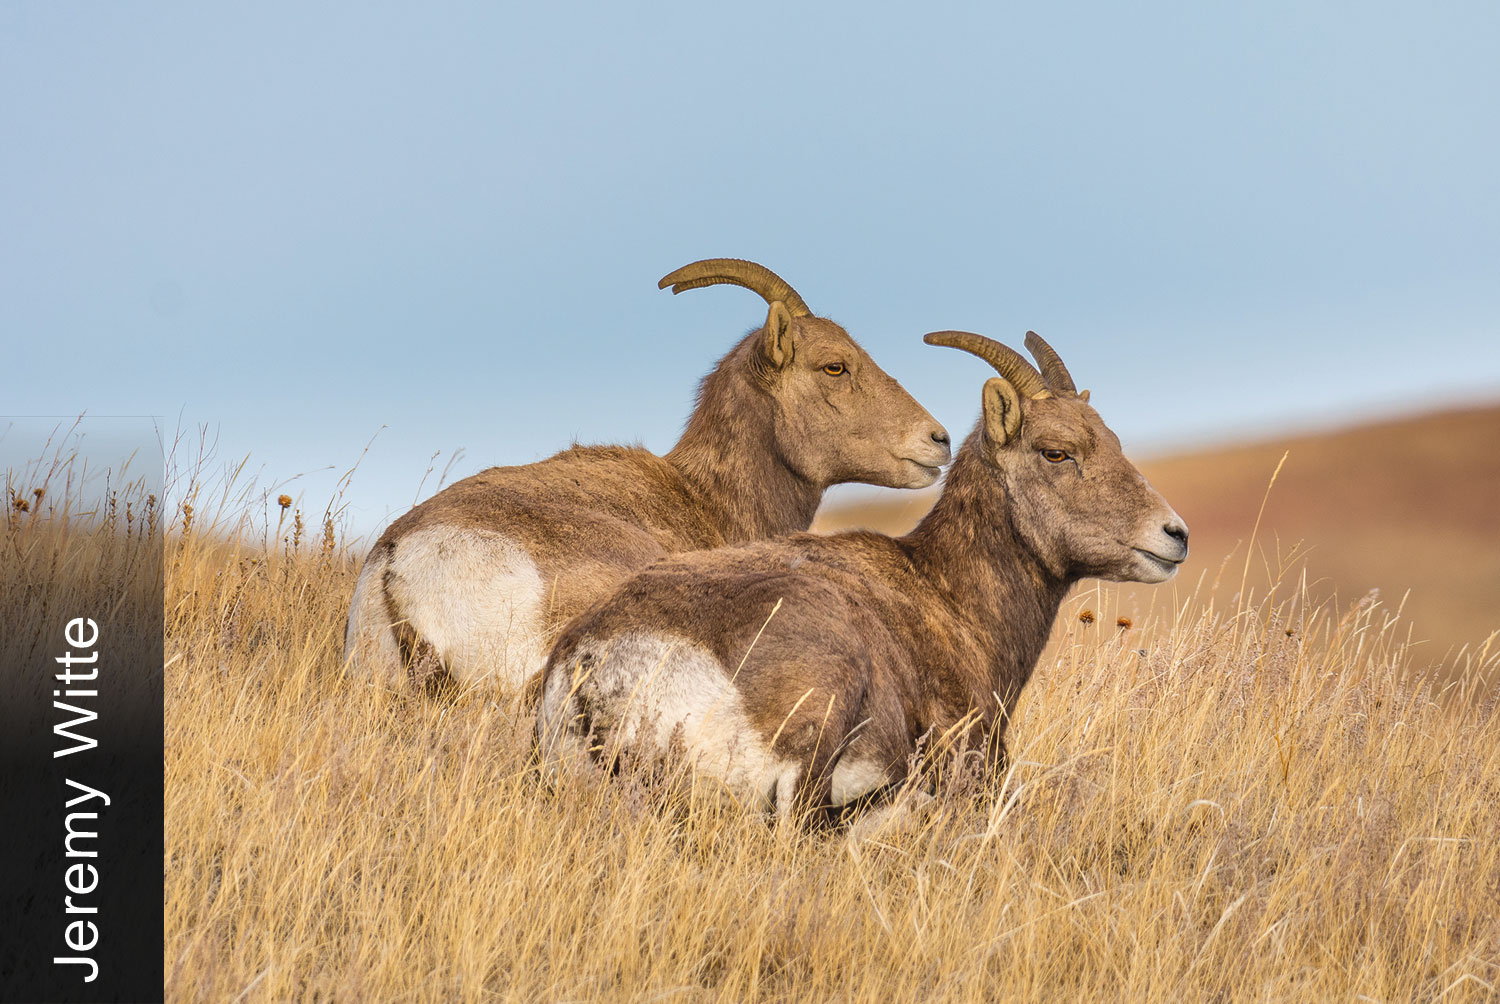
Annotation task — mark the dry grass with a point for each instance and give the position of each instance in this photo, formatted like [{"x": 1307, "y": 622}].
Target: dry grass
[{"x": 1213, "y": 806}]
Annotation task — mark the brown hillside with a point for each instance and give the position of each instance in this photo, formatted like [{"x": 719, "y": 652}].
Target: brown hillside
[{"x": 1408, "y": 504}]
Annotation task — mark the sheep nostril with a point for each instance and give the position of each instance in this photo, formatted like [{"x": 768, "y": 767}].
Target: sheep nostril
[
  {"x": 940, "y": 437},
  {"x": 1177, "y": 532}
]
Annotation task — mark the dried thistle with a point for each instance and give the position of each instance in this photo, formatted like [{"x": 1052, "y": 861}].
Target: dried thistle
[
  {"x": 19, "y": 503},
  {"x": 285, "y": 501},
  {"x": 1123, "y": 623},
  {"x": 1086, "y": 616}
]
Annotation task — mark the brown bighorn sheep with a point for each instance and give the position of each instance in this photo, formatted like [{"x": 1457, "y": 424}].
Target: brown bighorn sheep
[
  {"x": 804, "y": 672},
  {"x": 472, "y": 580}
]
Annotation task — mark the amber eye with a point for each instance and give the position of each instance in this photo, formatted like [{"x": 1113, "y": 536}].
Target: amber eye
[
  {"x": 1054, "y": 456},
  {"x": 834, "y": 369}
]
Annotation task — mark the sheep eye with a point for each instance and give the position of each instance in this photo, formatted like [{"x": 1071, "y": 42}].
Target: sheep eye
[
  {"x": 1054, "y": 456},
  {"x": 834, "y": 369}
]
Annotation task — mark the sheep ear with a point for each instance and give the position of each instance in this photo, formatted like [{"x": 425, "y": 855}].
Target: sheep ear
[
  {"x": 778, "y": 334},
  {"x": 1002, "y": 412},
  {"x": 1085, "y": 395}
]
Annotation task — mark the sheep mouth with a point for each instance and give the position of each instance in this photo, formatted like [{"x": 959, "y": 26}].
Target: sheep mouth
[
  {"x": 1165, "y": 563},
  {"x": 929, "y": 472}
]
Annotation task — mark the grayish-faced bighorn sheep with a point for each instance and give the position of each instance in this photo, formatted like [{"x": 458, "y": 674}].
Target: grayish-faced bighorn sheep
[
  {"x": 473, "y": 579},
  {"x": 878, "y": 641}
]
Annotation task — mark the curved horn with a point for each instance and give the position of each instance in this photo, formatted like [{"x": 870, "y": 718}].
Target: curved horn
[
  {"x": 736, "y": 272},
  {"x": 1007, "y": 361},
  {"x": 1053, "y": 370}
]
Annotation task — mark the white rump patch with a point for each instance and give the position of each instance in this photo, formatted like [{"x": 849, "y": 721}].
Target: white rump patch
[
  {"x": 370, "y": 650},
  {"x": 476, "y": 597},
  {"x": 642, "y": 688}
]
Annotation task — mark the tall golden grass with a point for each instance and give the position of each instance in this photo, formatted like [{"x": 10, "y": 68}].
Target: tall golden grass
[
  {"x": 78, "y": 540},
  {"x": 1252, "y": 804}
]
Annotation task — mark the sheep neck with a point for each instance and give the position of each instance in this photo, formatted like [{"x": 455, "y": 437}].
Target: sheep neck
[
  {"x": 727, "y": 458},
  {"x": 971, "y": 551}
]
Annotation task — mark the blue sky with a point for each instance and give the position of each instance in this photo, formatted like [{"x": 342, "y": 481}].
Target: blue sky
[{"x": 302, "y": 225}]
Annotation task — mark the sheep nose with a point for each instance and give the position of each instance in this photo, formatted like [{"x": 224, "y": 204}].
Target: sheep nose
[{"x": 942, "y": 451}]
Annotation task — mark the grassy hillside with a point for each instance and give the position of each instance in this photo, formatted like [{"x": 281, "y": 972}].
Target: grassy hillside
[
  {"x": 1222, "y": 801},
  {"x": 1411, "y": 504},
  {"x": 1218, "y": 804}
]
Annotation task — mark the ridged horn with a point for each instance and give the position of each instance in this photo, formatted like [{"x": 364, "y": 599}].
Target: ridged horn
[
  {"x": 1053, "y": 370},
  {"x": 1007, "y": 361},
  {"x": 736, "y": 272}
]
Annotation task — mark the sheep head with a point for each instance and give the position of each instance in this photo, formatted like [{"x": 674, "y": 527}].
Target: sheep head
[
  {"x": 835, "y": 416},
  {"x": 1075, "y": 500}
]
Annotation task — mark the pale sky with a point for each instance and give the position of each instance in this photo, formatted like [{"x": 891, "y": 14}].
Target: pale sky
[{"x": 302, "y": 225}]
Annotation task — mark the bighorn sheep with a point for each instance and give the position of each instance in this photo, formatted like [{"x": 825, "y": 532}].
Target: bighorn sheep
[
  {"x": 472, "y": 580},
  {"x": 804, "y": 672}
]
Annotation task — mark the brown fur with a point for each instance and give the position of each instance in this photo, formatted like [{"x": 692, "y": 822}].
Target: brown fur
[
  {"x": 763, "y": 443},
  {"x": 897, "y": 639}
]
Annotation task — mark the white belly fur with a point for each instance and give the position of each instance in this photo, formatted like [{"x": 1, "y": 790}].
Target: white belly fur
[
  {"x": 642, "y": 687},
  {"x": 477, "y": 598},
  {"x": 853, "y": 778}
]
